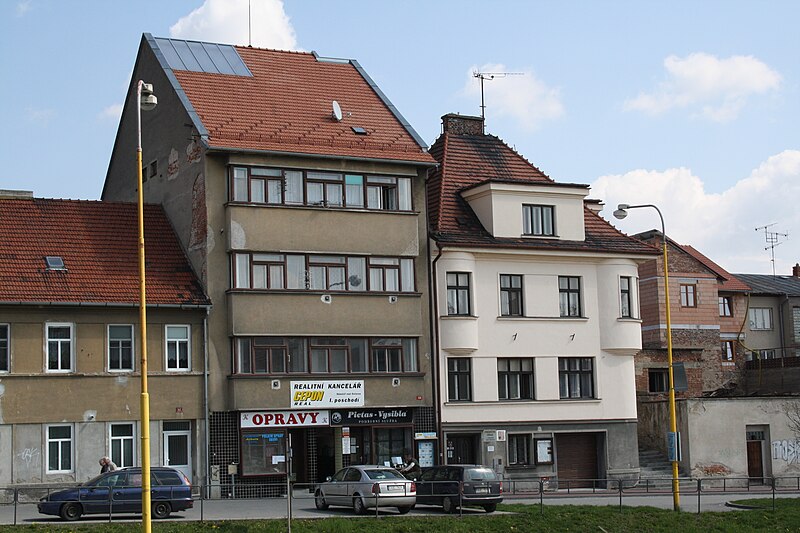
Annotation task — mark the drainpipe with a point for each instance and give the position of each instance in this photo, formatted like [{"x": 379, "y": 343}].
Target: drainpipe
[
  {"x": 434, "y": 288},
  {"x": 207, "y": 435}
]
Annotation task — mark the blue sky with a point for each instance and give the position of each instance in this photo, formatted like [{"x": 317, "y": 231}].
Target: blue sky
[{"x": 692, "y": 106}]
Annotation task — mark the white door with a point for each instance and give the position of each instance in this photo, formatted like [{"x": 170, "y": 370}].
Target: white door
[{"x": 178, "y": 451}]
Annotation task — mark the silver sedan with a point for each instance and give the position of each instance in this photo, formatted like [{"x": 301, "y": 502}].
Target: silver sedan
[{"x": 364, "y": 487}]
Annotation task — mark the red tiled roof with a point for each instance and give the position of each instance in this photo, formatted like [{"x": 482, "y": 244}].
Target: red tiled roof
[
  {"x": 468, "y": 160},
  {"x": 98, "y": 242},
  {"x": 728, "y": 281},
  {"x": 286, "y": 106}
]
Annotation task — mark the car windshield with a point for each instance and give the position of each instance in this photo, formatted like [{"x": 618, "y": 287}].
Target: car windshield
[
  {"x": 94, "y": 481},
  {"x": 480, "y": 473},
  {"x": 384, "y": 474}
]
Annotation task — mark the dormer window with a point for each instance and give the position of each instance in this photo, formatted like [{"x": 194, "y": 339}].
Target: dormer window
[
  {"x": 538, "y": 220},
  {"x": 54, "y": 262}
]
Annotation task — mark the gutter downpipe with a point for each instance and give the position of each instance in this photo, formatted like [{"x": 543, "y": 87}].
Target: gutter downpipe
[
  {"x": 435, "y": 331},
  {"x": 207, "y": 435}
]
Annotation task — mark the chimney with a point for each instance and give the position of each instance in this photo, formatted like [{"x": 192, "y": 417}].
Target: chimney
[
  {"x": 796, "y": 270},
  {"x": 10, "y": 193},
  {"x": 462, "y": 124}
]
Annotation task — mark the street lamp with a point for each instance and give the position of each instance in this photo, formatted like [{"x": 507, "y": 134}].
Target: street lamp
[
  {"x": 145, "y": 99},
  {"x": 620, "y": 213}
]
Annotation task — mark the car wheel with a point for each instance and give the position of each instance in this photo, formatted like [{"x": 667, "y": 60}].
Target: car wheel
[
  {"x": 405, "y": 509},
  {"x": 358, "y": 505},
  {"x": 490, "y": 508},
  {"x": 449, "y": 505},
  {"x": 319, "y": 501},
  {"x": 71, "y": 511},
  {"x": 161, "y": 510}
]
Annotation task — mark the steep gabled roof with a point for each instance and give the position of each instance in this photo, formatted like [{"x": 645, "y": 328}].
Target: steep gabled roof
[
  {"x": 98, "y": 243},
  {"x": 469, "y": 159},
  {"x": 772, "y": 285},
  {"x": 285, "y": 103},
  {"x": 728, "y": 282}
]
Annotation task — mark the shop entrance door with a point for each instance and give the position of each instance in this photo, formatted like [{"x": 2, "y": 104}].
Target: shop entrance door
[
  {"x": 178, "y": 451},
  {"x": 462, "y": 449}
]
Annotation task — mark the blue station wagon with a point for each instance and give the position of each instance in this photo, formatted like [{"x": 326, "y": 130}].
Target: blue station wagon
[{"x": 120, "y": 492}]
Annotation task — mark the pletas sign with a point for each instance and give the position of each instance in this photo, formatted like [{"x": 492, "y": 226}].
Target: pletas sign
[{"x": 324, "y": 394}]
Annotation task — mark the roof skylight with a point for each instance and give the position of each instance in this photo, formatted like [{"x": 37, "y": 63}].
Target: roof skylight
[{"x": 54, "y": 262}]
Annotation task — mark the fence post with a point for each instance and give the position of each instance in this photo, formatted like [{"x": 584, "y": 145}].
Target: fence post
[
  {"x": 289, "y": 502},
  {"x": 203, "y": 499},
  {"x": 16, "y": 499},
  {"x": 619, "y": 483},
  {"x": 699, "y": 490},
  {"x": 376, "y": 503},
  {"x": 541, "y": 497},
  {"x": 110, "y": 501},
  {"x": 460, "y": 499},
  {"x": 773, "y": 493}
]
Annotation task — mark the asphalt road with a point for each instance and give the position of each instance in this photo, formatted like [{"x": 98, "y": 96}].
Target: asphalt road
[{"x": 303, "y": 507}]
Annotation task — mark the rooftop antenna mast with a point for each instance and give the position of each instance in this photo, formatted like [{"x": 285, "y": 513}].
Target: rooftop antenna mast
[
  {"x": 249, "y": 25},
  {"x": 490, "y": 76},
  {"x": 773, "y": 239}
]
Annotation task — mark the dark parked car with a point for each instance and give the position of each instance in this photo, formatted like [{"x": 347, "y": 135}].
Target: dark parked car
[
  {"x": 120, "y": 492},
  {"x": 454, "y": 485},
  {"x": 362, "y": 487}
]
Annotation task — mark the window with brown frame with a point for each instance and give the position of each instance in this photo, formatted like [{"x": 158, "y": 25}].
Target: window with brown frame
[
  {"x": 728, "y": 350},
  {"x": 688, "y": 295},
  {"x": 725, "y": 306}
]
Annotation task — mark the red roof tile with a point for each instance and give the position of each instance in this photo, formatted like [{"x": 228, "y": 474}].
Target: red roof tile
[
  {"x": 98, "y": 242},
  {"x": 286, "y": 106},
  {"x": 467, "y": 160},
  {"x": 728, "y": 281}
]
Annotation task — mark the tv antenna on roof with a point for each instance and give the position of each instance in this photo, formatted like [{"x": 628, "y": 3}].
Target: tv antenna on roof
[
  {"x": 773, "y": 239},
  {"x": 490, "y": 76}
]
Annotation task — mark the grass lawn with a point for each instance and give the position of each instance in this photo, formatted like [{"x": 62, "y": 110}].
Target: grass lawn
[{"x": 786, "y": 517}]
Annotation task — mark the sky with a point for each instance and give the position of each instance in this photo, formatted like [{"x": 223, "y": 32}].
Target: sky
[{"x": 690, "y": 106}]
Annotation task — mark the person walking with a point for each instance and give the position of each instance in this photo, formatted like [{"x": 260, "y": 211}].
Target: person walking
[{"x": 107, "y": 465}]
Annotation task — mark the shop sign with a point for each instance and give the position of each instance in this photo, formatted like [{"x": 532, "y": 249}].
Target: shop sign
[
  {"x": 425, "y": 435},
  {"x": 356, "y": 417},
  {"x": 260, "y": 419},
  {"x": 326, "y": 394}
]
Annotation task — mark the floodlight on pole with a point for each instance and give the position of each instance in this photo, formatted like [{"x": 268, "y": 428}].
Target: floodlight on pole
[
  {"x": 621, "y": 213},
  {"x": 145, "y": 99}
]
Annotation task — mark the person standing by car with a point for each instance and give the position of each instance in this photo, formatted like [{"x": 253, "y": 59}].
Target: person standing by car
[
  {"x": 107, "y": 465},
  {"x": 411, "y": 468}
]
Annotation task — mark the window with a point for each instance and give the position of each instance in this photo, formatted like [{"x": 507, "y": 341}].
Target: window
[
  {"x": 459, "y": 379},
  {"x": 263, "y": 451},
  {"x": 569, "y": 293},
  {"x": 59, "y": 347},
  {"x": 54, "y": 262},
  {"x": 728, "y": 350},
  {"x": 5, "y": 350},
  {"x": 120, "y": 348},
  {"x": 510, "y": 295},
  {"x": 282, "y": 355},
  {"x": 625, "y": 300},
  {"x": 59, "y": 449},
  {"x": 538, "y": 220},
  {"x": 688, "y": 295},
  {"x": 515, "y": 379},
  {"x": 122, "y": 445},
  {"x": 760, "y": 318},
  {"x": 458, "y": 293},
  {"x": 322, "y": 272},
  {"x": 576, "y": 377},
  {"x": 657, "y": 380},
  {"x": 519, "y": 449},
  {"x": 323, "y": 189},
  {"x": 178, "y": 347},
  {"x": 725, "y": 306}
]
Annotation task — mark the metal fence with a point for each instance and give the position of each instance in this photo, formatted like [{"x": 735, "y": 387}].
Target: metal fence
[{"x": 18, "y": 505}]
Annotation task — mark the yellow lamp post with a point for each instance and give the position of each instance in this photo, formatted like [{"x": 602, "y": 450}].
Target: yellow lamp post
[
  {"x": 620, "y": 213},
  {"x": 145, "y": 99}
]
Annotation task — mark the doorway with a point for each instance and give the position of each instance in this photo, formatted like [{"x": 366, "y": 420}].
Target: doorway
[
  {"x": 462, "y": 449},
  {"x": 756, "y": 438},
  {"x": 178, "y": 447}
]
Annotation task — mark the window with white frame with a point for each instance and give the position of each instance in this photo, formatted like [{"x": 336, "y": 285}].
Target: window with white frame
[
  {"x": 728, "y": 350},
  {"x": 59, "y": 347},
  {"x": 120, "y": 348},
  {"x": 760, "y": 318},
  {"x": 178, "y": 349},
  {"x": 519, "y": 447},
  {"x": 538, "y": 220},
  {"x": 59, "y": 449},
  {"x": 122, "y": 443},
  {"x": 725, "y": 306},
  {"x": 5, "y": 348},
  {"x": 626, "y": 297}
]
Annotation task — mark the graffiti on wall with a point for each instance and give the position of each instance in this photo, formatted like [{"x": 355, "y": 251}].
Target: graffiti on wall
[{"x": 786, "y": 450}]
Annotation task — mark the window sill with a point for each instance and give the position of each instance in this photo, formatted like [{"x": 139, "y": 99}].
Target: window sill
[
  {"x": 320, "y": 292},
  {"x": 236, "y": 203},
  {"x": 539, "y": 318},
  {"x": 459, "y": 317},
  {"x": 629, "y": 319},
  {"x": 546, "y": 237}
]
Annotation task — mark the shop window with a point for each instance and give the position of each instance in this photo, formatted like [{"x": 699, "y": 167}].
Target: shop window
[{"x": 263, "y": 452}]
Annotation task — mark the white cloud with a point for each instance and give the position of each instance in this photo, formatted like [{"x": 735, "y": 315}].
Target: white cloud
[
  {"x": 40, "y": 116},
  {"x": 23, "y": 7},
  {"x": 518, "y": 96},
  {"x": 226, "y": 21},
  {"x": 720, "y": 225},
  {"x": 112, "y": 112},
  {"x": 714, "y": 88}
]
